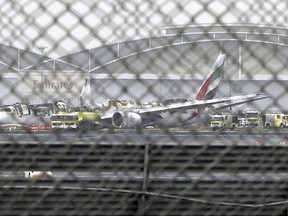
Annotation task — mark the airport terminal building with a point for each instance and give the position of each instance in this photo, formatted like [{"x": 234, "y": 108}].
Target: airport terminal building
[{"x": 158, "y": 68}]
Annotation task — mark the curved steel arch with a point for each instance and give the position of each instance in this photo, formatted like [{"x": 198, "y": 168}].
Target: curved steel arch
[
  {"x": 268, "y": 37},
  {"x": 239, "y": 43},
  {"x": 175, "y": 35}
]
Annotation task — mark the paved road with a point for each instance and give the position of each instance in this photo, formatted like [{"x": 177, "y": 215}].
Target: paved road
[
  {"x": 127, "y": 151},
  {"x": 33, "y": 146},
  {"x": 152, "y": 137}
]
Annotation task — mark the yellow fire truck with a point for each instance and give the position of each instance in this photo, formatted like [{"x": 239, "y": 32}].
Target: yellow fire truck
[
  {"x": 274, "y": 120},
  {"x": 221, "y": 121},
  {"x": 75, "y": 120},
  {"x": 253, "y": 119}
]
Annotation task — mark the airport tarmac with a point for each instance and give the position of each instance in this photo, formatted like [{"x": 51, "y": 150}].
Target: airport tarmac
[
  {"x": 159, "y": 137},
  {"x": 127, "y": 151}
]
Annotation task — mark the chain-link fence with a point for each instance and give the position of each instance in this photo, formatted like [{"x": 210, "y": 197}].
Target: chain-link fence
[{"x": 143, "y": 107}]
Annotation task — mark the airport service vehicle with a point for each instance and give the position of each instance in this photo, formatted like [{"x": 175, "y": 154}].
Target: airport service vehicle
[
  {"x": 242, "y": 119},
  {"x": 220, "y": 121},
  {"x": 37, "y": 174},
  {"x": 274, "y": 120},
  {"x": 75, "y": 120},
  {"x": 253, "y": 118}
]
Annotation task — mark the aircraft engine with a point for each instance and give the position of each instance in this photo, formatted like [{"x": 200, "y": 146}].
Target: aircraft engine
[{"x": 126, "y": 120}]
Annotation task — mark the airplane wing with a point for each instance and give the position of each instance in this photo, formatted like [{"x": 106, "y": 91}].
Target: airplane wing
[
  {"x": 107, "y": 114},
  {"x": 169, "y": 108},
  {"x": 220, "y": 103},
  {"x": 240, "y": 100},
  {"x": 174, "y": 107}
]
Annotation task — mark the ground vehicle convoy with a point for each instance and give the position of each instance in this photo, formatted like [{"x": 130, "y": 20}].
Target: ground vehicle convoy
[
  {"x": 75, "y": 120},
  {"x": 221, "y": 121},
  {"x": 275, "y": 120}
]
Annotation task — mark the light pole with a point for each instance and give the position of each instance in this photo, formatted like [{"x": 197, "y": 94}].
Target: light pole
[{"x": 42, "y": 48}]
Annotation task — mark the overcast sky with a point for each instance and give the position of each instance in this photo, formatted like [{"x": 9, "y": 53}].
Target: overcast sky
[{"x": 69, "y": 26}]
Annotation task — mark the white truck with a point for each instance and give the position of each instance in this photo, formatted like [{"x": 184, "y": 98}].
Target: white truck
[{"x": 37, "y": 174}]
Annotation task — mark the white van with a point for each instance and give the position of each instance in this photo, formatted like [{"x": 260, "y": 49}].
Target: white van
[{"x": 37, "y": 174}]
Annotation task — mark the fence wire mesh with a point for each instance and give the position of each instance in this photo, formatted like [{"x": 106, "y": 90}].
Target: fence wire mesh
[{"x": 143, "y": 107}]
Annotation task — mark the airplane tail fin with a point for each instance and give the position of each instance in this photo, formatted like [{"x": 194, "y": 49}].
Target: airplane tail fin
[
  {"x": 86, "y": 90},
  {"x": 210, "y": 85}
]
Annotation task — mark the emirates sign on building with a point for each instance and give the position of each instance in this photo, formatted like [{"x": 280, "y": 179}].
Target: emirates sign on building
[{"x": 51, "y": 84}]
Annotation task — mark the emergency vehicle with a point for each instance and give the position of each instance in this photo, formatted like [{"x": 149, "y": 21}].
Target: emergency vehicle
[
  {"x": 275, "y": 120},
  {"x": 221, "y": 121},
  {"x": 253, "y": 118},
  {"x": 75, "y": 120}
]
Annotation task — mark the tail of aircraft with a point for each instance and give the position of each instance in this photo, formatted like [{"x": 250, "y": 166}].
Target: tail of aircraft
[
  {"x": 209, "y": 86},
  {"x": 86, "y": 90}
]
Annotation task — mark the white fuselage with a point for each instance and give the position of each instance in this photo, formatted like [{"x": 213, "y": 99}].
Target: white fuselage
[
  {"x": 22, "y": 114},
  {"x": 165, "y": 119},
  {"x": 7, "y": 118}
]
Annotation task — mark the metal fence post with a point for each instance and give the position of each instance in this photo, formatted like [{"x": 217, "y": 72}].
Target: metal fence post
[{"x": 146, "y": 172}]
